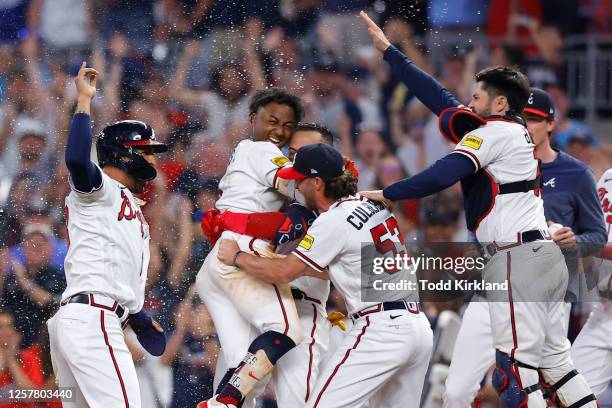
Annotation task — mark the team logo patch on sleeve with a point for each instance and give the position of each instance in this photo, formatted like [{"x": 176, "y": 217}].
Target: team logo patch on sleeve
[
  {"x": 307, "y": 242},
  {"x": 280, "y": 161},
  {"x": 472, "y": 142}
]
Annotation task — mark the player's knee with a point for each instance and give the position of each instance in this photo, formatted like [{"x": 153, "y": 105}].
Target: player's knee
[
  {"x": 273, "y": 343},
  {"x": 514, "y": 381},
  {"x": 291, "y": 328},
  {"x": 564, "y": 384}
]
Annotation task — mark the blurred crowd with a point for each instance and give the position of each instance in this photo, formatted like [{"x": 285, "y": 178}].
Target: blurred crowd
[{"x": 188, "y": 68}]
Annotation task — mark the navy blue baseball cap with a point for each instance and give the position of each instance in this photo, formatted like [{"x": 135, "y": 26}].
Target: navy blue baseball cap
[
  {"x": 540, "y": 104},
  {"x": 315, "y": 160}
]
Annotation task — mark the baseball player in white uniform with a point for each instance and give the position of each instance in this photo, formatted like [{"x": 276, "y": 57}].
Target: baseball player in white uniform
[
  {"x": 241, "y": 306},
  {"x": 295, "y": 374},
  {"x": 578, "y": 208},
  {"x": 592, "y": 349},
  {"x": 384, "y": 356},
  {"x": 107, "y": 261},
  {"x": 495, "y": 161}
]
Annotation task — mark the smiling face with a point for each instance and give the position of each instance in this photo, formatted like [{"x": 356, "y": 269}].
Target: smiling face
[{"x": 273, "y": 122}]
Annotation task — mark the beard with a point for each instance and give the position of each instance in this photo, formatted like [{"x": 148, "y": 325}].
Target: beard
[
  {"x": 311, "y": 204},
  {"x": 139, "y": 186},
  {"x": 484, "y": 112},
  {"x": 308, "y": 200}
]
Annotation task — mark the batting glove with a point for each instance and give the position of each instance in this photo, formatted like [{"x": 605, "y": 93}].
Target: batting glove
[{"x": 149, "y": 333}]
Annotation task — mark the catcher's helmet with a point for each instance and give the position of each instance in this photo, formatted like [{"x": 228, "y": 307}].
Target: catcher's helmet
[{"x": 115, "y": 147}]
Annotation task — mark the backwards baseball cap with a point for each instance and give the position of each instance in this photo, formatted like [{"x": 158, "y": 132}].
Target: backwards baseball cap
[
  {"x": 540, "y": 104},
  {"x": 315, "y": 160}
]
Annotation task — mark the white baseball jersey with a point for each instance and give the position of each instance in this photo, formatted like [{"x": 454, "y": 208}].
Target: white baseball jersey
[
  {"x": 249, "y": 184},
  {"x": 108, "y": 244},
  {"x": 503, "y": 152},
  {"x": 604, "y": 191},
  {"x": 312, "y": 287},
  {"x": 336, "y": 240},
  {"x": 592, "y": 349},
  {"x": 604, "y": 266}
]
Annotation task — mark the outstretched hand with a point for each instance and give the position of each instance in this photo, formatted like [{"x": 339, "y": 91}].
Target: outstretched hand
[{"x": 376, "y": 33}]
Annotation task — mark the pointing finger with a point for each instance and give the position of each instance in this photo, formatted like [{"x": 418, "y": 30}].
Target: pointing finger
[{"x": 367, "y": 19}]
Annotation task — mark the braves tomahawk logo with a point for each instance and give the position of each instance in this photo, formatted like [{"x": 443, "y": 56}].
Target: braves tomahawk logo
[{"x": 550, "y": 183}]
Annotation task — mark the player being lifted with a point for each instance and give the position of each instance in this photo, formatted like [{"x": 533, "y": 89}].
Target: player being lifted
[
  {"x": 384, "y": 356},
  {"x": 237, "y": 302},
  {"x": 496, "y": 163},
  {"x": 107, "y": 261},
  {"x": 295, "y": 374}
]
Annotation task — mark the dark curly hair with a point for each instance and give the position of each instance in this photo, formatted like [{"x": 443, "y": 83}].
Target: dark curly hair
[
  {"x": 327, "y": 135},
  {"x": 508, "y": 82},
  {"x": 341, "y": 186},
  {"x": 279, "y": 95}
]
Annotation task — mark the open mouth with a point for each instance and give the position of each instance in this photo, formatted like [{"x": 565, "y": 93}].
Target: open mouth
[{"x": 274, "y": 140}]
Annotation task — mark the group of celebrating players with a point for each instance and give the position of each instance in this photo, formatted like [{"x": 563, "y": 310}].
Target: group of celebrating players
[{"x": 281, "y": 232}]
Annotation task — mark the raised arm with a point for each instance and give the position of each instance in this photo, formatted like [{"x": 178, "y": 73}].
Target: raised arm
[
  {"x": 178, "y": 87},
  {"x": 429, "y": 91},
  {"x": 85, "y": 175}
]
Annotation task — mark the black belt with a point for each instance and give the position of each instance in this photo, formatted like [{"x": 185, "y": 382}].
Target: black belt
[
  {"x": 299, "y": 295},
  {"x": 88, "y": 299},
  {"x": 412, "y": 307},
  {"x": 523, "y": 238},
  {"x": 520, "y": 186}
]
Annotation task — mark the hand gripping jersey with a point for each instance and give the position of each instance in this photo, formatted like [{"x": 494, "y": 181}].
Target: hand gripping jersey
[{"x": 108, "y": 244}]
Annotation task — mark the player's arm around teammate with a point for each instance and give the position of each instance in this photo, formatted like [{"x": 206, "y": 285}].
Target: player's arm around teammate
[
  {"x": 387, "y": 364},
  {"x": 281, "y": 269}
]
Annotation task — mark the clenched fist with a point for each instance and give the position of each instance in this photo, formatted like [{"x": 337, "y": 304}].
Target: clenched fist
[{"x": 227, "y": 251}]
